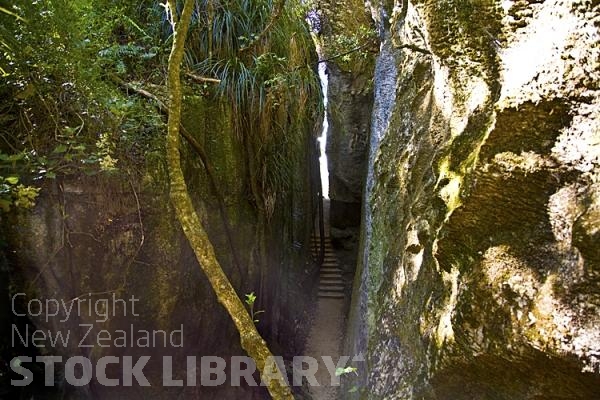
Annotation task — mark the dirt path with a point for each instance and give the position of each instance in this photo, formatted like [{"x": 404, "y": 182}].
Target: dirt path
[{"x": 325, "y": 338}]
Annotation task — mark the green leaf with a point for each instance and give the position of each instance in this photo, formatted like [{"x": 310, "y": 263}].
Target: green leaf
[
  {"x": 50, "y": 175},
  {"x": 69, "y": 131},
  {"x": 5, "y": 205},
  {"x": 61, "y": 148},
  {"x": 15, "y": 157},
  {"x": 250, "y": 298},
  {"x": 353, "y": 390},
  {"x": 13, "y": 180},
  {"x": 344, "y": 371}
]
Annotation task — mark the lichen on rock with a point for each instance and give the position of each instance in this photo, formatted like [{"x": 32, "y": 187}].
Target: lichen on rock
[{"x": 482, "y": 267}]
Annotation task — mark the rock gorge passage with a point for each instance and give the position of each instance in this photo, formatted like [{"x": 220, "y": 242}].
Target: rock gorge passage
[{"x": 450, "y": 248}]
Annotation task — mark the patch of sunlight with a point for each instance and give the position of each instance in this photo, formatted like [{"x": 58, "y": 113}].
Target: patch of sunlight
[
  {"x": 478, "y": 93},
  {"x": 412, "y": 259},
  {"x": 458, "y": 101},
  {"x": 322, "y": 140},
  {"x": 543, "y": 40},
  {"x": 450, "y": 192},
  {"x": 399, "y": 282},
  {"x": 544, "y": 312},
  {"x": 445, "y": 332},
  {"x": 507, "y": 5},
  {"x": 413, "y": 253},
  {"x": 441, "y": 89}
]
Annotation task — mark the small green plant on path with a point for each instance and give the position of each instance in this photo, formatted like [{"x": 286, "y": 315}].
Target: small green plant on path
[{"x": 345, "y": 371}]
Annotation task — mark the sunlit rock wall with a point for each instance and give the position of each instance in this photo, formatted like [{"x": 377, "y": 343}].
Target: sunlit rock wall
[{"x": 480, "y": 277}]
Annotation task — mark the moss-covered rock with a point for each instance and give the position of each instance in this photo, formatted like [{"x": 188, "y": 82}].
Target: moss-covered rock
[
  {"x": 91, "y": 238},
  {"x": 480, "y": 271}
]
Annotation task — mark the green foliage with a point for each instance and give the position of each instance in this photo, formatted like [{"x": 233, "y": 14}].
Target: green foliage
[
  {"x": 266, "y": 69},
  {"x": 12, "y": 193},
  {"x": 353, "y": 49},
  {"x": 60, "y": 110},
  {"x": 344, "y": 371},
  {"x": 250, "y": 299},
  {"x": 128, "y": 38},
  {"x": 63, "y": 109},
  {"x": 125, "y": 56}
]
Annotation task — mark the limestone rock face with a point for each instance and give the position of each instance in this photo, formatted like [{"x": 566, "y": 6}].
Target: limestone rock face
[
  {"x": 347, "y": 44},
  {"x": 480, "y": 272},
  {"x": 349, "y": 116}
]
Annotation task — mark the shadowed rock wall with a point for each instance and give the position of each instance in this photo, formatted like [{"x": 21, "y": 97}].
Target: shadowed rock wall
[{"x": 95, "y": 237}]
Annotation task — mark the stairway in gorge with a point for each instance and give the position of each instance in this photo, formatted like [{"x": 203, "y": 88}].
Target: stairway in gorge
[{"x": 331, "y": 283}]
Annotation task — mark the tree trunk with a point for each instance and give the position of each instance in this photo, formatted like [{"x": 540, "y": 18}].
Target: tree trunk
[{"x": 250, "y": 339}]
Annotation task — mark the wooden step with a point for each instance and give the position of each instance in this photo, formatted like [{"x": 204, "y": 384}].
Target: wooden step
[
  {"x": 331, "y": 295},
  {"x": 328, "y": 252},
  {"x": 331, "y": 287},
  {"x": 331, "y": 272},
  {"x": 326, "y": 257},
  {"x": 326, "y": 244},
  {"x": 317, "y": 243},
  {"x": 331, "y": 277},
  {"x": 328, "y": 249},
  {"x": 333, "y": 281},
  {"x": 331, "y": 284}
]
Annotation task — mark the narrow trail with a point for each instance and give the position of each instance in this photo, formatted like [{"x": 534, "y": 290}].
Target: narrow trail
[{"x": 325, "y": 338}]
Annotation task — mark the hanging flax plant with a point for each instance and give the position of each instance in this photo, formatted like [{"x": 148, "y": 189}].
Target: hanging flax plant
[{"x": 261, "y": 53}]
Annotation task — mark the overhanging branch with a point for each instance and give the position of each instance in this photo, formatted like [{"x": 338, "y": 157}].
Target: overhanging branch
[
  {"x": 199, "y": 78},
  {"x": 355, "y": 49}
]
